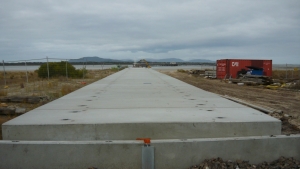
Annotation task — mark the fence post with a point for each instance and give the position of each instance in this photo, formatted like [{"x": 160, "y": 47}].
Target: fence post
[
  {"x": 47, "y": 67},
  {"x": 67, "y": 70},
  {"x": 26, "y": 71},
  {"x": 4, "y": 73},
  {"x": 83, "y": 70},
  {"x": 85, "y": 66},
  {"x": 286, "y": 71}
]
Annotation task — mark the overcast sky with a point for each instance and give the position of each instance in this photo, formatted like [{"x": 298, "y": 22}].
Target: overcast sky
[{"x": 135, "y": 29}]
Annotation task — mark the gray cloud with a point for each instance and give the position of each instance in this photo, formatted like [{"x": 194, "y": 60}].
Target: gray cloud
[{"x": 157, "y": 29}]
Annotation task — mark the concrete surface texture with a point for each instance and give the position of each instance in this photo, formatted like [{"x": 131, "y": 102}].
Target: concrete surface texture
[
  {"x": 169, "y": 154},
  {"x": 139, "y": 102}
]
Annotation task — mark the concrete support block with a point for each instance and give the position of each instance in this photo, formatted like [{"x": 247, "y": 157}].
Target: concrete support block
[{"x": 169, "y": 154}]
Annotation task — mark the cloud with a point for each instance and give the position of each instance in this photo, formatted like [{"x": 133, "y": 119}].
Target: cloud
[{"x": 128, "y": 29}]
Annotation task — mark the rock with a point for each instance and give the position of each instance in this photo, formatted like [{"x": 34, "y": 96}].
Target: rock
[
  {"x": 22, "y": 99},
  {"x": 239, "y": 161},
  {"x": 17, "y": 99},
  {"x": 33, "y": 99},
  {"x": 4, "y": 99},
  {"x": 7, "y": 110},
  {"x": 20, "y": 110},
  {"x": 278, "y": 111},
  {"x": 44, "y": 98}
]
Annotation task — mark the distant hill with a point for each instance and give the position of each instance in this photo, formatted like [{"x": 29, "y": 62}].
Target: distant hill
[
  {"x": 94, "y": 59},
  {"x": 127, "y": 60},
  {"x": 180, "y": 60},
  {"x": 165, "y": 60},
  {"x": 202, "y": 60},
  {"x": 98, "y": 59}
]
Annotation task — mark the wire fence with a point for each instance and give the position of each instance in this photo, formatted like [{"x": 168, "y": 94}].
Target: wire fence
[
  {"x": 46, "y": 68},
  {"x": 26, "y": 71},
  {"x": 286, "y": 72},
  {"x": 30, "y": 83}
]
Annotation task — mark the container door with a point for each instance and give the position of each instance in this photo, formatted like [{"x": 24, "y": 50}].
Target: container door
[
  {"x": 267, "y": 65},
  {"x": 221, "y": 69}
]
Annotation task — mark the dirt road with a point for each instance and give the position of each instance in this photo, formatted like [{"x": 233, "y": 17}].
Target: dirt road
[{"x": 285, "y": 100}]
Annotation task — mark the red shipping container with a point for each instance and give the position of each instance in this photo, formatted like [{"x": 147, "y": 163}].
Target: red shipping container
[{"x": 232, "y": 67}]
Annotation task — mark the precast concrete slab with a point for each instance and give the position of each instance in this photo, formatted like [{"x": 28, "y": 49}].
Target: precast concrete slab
[
  {"x": 139, "y": 102},
  {"x": 168, "y": 154}
]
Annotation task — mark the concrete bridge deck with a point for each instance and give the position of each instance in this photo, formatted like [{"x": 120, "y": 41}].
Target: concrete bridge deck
[{"x": 139, "y": 102}]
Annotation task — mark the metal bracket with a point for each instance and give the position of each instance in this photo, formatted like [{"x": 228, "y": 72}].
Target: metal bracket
[{"x": 147, "y": 154}]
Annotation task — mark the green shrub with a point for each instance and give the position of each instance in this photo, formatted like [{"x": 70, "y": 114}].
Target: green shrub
[
  {"x": 114, "y": 69},
  {"x": 57, "y": 69}
]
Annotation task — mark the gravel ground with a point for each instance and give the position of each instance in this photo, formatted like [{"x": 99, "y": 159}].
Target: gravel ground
[{"x": 218, "y": 163}]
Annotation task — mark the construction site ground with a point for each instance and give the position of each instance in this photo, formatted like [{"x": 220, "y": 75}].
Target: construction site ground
[{"x": 282, "y": 99}]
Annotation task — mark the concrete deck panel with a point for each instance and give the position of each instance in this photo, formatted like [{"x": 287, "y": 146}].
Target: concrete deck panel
[
  {"x": 169, "y": 154},
  {"x": 139, "y": 103}
]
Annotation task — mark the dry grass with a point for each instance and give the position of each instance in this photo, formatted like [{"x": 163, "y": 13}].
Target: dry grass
[
  {"x": 17, "y": 77},
  {"x": 182, "y": 71},
  {"x": 55, "y": 87},
  {"x": 283, "y": 74},
  {"x": 3, "y": 92},
  {"x": 67, "y": 88}
]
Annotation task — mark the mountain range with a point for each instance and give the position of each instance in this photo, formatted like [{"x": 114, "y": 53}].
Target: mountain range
[
  {"x": 94, "y": 59},
  {"x": 98, "y": 59},
  {"x": 179, "y": 60}
]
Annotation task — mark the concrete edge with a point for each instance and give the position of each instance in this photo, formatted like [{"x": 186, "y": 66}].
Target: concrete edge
[
  {"x": 127, "y": 131},
  {"x": 175, "y": 153},
  {"x": 157, "y": 141}
]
